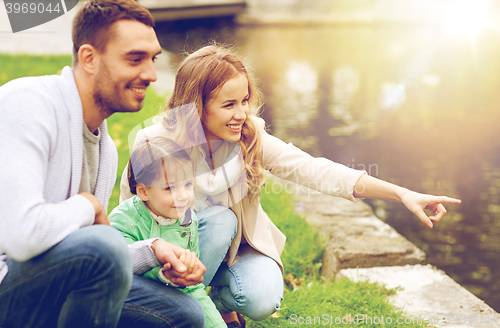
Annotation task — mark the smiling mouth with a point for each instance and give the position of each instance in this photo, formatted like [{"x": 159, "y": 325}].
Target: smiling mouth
[
  {"x": 141, "y": 90},
  {"x": 234, "y": 126}
]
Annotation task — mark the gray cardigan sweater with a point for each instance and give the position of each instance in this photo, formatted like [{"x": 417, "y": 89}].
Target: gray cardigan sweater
[{"x": 41, "y": 154}]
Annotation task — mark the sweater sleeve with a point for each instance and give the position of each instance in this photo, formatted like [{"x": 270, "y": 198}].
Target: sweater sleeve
[
  {"x": 29, "y": 224},
  {"x": 143, "y": 257},
  {"x": 288, "y": 162}
]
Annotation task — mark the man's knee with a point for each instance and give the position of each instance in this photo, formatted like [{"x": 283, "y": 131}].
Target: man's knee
[
  {"x": 150, "y": 301},
  {"x": 189, "y": 309},
  {"x": 133, "y": 316},
  {"x": 106, "y": 248},
  {"x": 102, "y": 239},
  {"x": 194, "y": 314}
]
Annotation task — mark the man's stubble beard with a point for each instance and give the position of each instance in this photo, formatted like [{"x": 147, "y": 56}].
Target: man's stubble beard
[{"x": 108, "y": 104}]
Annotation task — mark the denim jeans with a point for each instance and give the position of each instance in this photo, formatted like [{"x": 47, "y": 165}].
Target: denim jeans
[
  {"x": 80, "y": 282},
  {"x": 153, "y": 305},
  {"x": 254, "y": 285},
  {"x": 217, "y": 227}
]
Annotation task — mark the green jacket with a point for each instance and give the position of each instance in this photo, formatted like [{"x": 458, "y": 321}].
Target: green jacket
[{"x": 132, "y": 218}]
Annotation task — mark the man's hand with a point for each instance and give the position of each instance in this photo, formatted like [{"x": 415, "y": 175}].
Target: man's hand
[
  {"x": 181, "y": 266},
  {"x": 100, "y": 215}
]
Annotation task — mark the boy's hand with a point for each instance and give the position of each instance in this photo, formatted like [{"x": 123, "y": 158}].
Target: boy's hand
[
  {"x": 169, "y": 255},
  {"x": 198, "y": 270},
  {"x": 191, "y": 264},
  {"x": 193, "y": 278},
  {"x": 187, "y": 257},
  {"x": 194, "y": 270}
]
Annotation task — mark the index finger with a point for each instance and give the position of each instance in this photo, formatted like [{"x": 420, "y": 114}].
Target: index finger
[{"x": 448, "y": 200}]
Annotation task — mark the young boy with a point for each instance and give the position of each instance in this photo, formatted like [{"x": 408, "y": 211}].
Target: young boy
[{"x": 161, "y": 176}]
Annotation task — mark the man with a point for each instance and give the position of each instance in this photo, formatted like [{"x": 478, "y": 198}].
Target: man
[{"x": 61, "y": 264}]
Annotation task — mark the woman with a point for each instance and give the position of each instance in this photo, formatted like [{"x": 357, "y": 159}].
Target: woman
[{"x": 212, "y": 85}]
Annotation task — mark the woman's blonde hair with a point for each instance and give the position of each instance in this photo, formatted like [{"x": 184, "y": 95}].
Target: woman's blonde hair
[{"x": 199, "y": 79}]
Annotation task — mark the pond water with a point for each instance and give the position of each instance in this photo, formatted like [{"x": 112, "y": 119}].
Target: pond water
[{"x": 412, "y": 105}]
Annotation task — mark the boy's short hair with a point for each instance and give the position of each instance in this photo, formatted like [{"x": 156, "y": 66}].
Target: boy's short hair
[
  {"x": 150, "y": 158},
  {"x": 91, "y": 24}
]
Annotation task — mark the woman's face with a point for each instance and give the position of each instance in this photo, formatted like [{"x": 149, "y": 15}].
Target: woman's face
[{"x": 226, "y": 113}]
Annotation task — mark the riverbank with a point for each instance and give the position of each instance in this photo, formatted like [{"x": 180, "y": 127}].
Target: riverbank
[{"x": 361, "y": 247}]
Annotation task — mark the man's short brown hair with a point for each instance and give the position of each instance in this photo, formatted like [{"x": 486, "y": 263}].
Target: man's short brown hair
[{"x": 91, "y": 24}]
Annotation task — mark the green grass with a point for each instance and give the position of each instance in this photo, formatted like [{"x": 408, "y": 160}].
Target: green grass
[
  {"x": 13, "y": 67},
  {"x": 304, "y": 248},
  {"x": 308, "y": 298}
]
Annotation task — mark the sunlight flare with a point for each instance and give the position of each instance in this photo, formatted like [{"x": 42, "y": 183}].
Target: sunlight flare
[{"x": 467, "y": 17}]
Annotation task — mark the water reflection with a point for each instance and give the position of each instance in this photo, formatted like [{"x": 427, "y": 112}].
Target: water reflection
[
  {"x": 328, "y": 90},
  {"x": 345, "y": 84},
  {"x": 297, "y": 91},
  {"x": 392, "y": 96}
]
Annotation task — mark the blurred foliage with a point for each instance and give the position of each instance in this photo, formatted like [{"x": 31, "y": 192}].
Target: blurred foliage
[{"x": 17, "y": 66}]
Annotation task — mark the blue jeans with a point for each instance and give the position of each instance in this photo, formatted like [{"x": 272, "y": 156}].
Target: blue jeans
[
  {"x": 254, "y": 285},
  {"x": 153, "y": 305},
  {"x": 80, "y": 282},
  {"x": 217, "y": 227}
]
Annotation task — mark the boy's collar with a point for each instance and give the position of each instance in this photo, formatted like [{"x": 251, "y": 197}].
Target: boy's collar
[{"x": 161, "y": 220}]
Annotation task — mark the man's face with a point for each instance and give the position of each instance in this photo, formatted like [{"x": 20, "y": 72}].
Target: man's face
[{"x": 126, "y": 68}]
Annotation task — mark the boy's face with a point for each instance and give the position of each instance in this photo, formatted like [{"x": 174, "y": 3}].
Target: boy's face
[
  {"x": 171, "y": 200},
  {"x": 126, "y": 67}
]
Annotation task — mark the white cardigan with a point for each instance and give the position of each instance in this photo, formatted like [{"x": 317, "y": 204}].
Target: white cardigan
[{"x": 41, "y": 147}]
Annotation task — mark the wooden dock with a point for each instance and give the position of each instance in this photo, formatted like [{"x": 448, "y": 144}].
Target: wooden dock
[{"x": 171, "y": 10}]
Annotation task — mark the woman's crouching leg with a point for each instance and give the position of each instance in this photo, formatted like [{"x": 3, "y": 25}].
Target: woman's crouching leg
[
  {"x": 252, "y": 287},
  {"x": 217, "y": 228}
]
